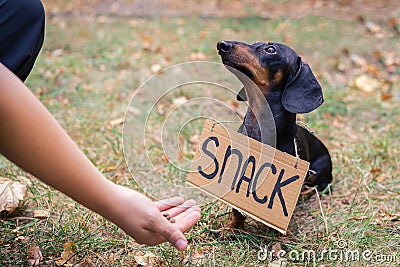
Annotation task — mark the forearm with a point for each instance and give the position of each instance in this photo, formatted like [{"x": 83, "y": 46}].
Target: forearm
[{"x": 33, "y": 139}]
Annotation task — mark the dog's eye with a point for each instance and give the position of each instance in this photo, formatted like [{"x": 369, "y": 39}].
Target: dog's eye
[{"x": 270, "y": 50}]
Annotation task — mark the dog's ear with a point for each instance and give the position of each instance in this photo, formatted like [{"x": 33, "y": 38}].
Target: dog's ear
[
  {"x": 241, "y": 96},
  {"x": 303, "y": 93}
]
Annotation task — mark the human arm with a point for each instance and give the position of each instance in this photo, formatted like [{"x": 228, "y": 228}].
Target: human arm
[{"x": 32, "y": 138}]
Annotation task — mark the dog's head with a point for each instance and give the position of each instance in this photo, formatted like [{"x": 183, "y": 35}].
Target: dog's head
[{"x": 274, "y": 67}]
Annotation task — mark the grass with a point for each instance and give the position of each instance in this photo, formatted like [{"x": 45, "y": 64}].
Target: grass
[{"x": 89, "y": 69}]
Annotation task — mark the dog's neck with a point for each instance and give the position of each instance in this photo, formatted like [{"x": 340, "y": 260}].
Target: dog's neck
[{"x": 258, "y": 123}]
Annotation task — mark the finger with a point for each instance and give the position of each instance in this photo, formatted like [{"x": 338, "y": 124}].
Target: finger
[
  {"x": 183, "y": 214},
  {"x": 187, "y": 219},
  {"x": 171, "y": 233},
  {"x": 172, "y": 212},
  {"x": 169, "y": 203}
]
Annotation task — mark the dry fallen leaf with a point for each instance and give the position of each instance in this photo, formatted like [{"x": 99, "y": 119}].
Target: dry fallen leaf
[
  {"x": 116, "y": 122},
  {"x": 282, "y": 262},
  {"x": 11, "y": 193},
  {"x": 375, "y": 171},
  {"x": 196, "y": 257},
  {"x": 358, "y": 60},
  {"x": 359, "y": 218},
  {"x": 155, "y": 68},
  {"x": 373, "y": 27},
  {"x": 381, "y": 178},
  {"x": 385, "y": 215},
  {"x": 386, "y": 96},
  {"x": 85, "y": 263},
  {"x": 147, "y": 41},
  {"x": 366, "y": 84},
  {"x": 390, "y": 60},
  {"x": 179, "y": 101},
  {"x": 276, "y": 248},
  {"x": 148, "y": 260},
  {"x": 371, "y": 69},
  {"x": 394, "y": 23},
  {"x": 41, "y": 214},
  {"x": 34, "y": 255},
  {"x": 134, "y": 111},
  {"x": 164, "y": 158},
  {"x": 67, "y": 256}
]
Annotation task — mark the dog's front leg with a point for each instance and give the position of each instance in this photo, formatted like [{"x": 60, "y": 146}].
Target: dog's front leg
[{"x": 236, "y": 220}]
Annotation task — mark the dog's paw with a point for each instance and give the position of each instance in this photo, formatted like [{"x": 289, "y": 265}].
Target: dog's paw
[{"x": 235, "y": 222}]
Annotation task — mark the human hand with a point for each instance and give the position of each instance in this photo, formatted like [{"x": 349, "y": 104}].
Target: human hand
[
  {"x": 30, "y": 137},
  {"x": 143, "y": 219}
]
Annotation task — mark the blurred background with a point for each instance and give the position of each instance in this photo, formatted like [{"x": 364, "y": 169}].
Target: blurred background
[{"x": 97, "y": 53}]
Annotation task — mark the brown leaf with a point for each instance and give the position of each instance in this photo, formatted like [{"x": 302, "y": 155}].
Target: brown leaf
[
  {"x": 41, "y": 214},
  {"x": 346, "y": 200},
  {"x": 359, "y": 218},
  {"x": 34, "y": 255},
  {"x": 155, "y": 68},
  {"x": 134, "y": 111},
  {"x": 179, "y": 101},
  {"x": 282, "y": 262},
  {"x": 358, "y": 60},
  {"x": 373, "y": 27},
  {"x": 116, "y": 122},
  {"x": 385, "y": 215},
  {"x": 85, "y": 263},
  {"x": 371, "y": 69},
  {"x": 377, "y": 55},
  {"x": 366, "y": 84},
  {"x": 164, "y": 158},
  {"x": 21, "y": 238},
  {"x": 375, "y": 171},
  {"x": 391, "y": 68},
  {"x": 67, "y": 256},
  {"x": 394, "y": 23},
  {"x": 276, "y": 248},
  {"x": 11, "y": 193},
  {"x": 148, "y": 259},
  {"x": 386, "y": 96},
  {"x": 146, "y": 38},
  {"x": 147, "y": 41},
  {"x": 196, "y": 257},
  {"x": 380, "y": 178}
]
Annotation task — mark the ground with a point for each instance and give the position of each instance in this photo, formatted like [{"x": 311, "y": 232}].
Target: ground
[
  {"x": 97, "y": 53},
  {"x": 346, "y": 9}
]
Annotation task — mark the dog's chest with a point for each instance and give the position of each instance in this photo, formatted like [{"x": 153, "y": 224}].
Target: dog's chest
[{"x": 252, "y": 129}]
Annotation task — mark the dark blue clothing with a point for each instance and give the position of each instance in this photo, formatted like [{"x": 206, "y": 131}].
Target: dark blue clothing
[{"x": 21, "y": 34}]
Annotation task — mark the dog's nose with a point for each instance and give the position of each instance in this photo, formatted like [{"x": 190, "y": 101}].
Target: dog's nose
[{"x": 224, "y": 46}]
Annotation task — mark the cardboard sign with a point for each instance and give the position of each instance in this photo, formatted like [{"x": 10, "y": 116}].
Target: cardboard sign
[{"x": 250, "y": 176}]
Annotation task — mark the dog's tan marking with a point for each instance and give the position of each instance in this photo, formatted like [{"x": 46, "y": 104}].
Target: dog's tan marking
[
  {"x": 278, "y": 77},
  {"x": 250, "y": 61}
]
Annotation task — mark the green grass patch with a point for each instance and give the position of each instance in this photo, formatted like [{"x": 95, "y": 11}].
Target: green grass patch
[{"x": 89, "y": 69}]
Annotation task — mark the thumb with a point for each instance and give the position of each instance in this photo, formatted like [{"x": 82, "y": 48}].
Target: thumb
[{"x": 172, "y": 234}]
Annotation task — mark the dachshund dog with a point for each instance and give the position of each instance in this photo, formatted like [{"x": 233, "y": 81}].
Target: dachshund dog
[{"x": 289, "y": 87}]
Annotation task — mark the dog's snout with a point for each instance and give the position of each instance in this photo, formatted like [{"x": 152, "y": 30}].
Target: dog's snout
[{"x": 224, "y": 46}]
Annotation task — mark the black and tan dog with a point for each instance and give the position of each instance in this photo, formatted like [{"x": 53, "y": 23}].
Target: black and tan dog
[{"x": 289, "y": 87}]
